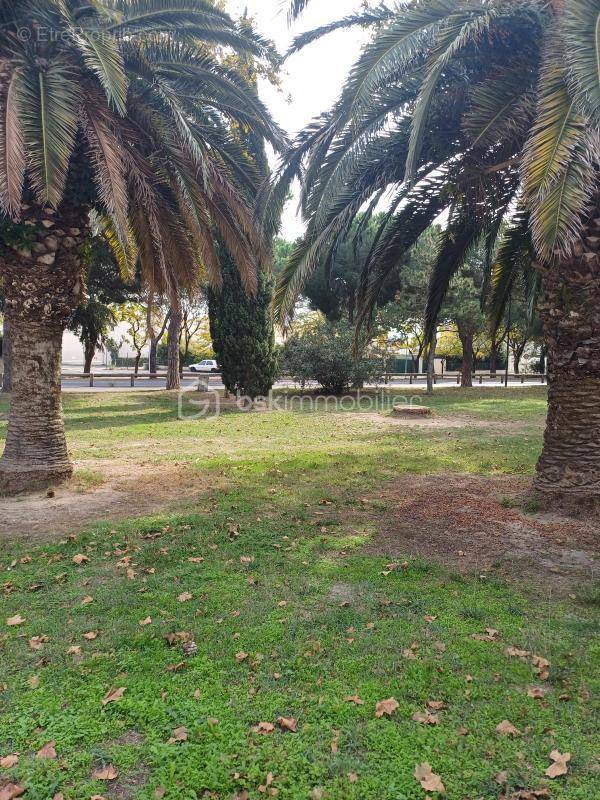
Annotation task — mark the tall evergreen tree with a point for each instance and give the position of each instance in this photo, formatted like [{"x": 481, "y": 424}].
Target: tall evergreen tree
[
  {"x": 241, "y": 328},
  {"x": 241, "y": 323}
]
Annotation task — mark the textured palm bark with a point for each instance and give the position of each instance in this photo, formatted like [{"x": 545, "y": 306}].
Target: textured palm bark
[
  {"x": 570, "y": 461},
  {"x": 89, "y": 351},
  {"x": 466, "y": 334},
  {"x": 43, "y": 284},
  {"x": 175, "y": 321},
  {"x": 6, "y": 354},
  {"x": 431, "y": 366}
]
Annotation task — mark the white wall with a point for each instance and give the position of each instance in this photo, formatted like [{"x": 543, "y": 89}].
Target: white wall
[{"x": 73, "y": 349}]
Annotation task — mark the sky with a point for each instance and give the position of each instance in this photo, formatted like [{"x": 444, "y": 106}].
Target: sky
[{"x": 312, "y": 79}]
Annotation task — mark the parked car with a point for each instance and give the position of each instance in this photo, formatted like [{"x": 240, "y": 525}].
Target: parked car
[{"x": 208, "y": 365}]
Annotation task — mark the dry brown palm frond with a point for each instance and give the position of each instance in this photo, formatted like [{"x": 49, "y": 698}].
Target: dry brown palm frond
[
  {"x": 12, "y": 148},
  {"x": 107, "y": 160}
]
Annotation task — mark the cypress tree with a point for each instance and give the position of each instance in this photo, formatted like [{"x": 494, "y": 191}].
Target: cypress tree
[{"x": 241, "y": 328}]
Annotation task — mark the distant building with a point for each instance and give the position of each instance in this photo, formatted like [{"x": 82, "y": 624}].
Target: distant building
[{"x": 72, "y": 356}]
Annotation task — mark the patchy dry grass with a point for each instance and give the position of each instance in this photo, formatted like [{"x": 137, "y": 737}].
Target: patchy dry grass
[{"x": 292, "y": 610}]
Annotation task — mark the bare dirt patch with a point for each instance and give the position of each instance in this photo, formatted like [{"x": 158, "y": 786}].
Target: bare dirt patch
[
  {"x": 433, "y": 421},
  {"x": 478, "y": 524},
  {"x": 121, "y": 489}
]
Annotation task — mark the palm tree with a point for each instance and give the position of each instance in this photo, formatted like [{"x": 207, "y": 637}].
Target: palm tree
[
  {"x": 489, "y": 111},
  {"x": 116, "y": 106}
]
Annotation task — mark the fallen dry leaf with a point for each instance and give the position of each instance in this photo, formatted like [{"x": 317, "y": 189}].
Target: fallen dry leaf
[
  {"x": 264, "y": 728},
  {"x": 490, "y": 635},
  {"x": 425, "y": 718},
  {"x": 559, "y": 766},
  {"x": 506, "y": 728},
  {"x": 241, "y": 656},
  {"x": 113, "y": 695},
  {"x": 11, "y": 790},
  {"x": 37, "y": 642},
  {"x": 90, "y": 635},
  {"x": 184, "y": 596},
  {"x": 353, "y": 777},
  {"x": 435, "y": 705},
  {"x": 502, "y": 777},
  {"x": 288, "y": 724},
  {"x": 74, "y": 650},
  {"x": 8, "y": 762},
  {"x": 87, "y": 600},
  {"x": 536, "y": 692},
  {"x": 13, "y": 621},
  {"x": 107, "y": 773},
  {"x": 179, "y": 735},
  {"x": 354, "y": 698},
  {"x": 428, "y": 779},
  {"x": 160, "y": 792},
  {"x": 47, "y": 751},
  {"x": 80, "y": 559},
  {"x": 34, "y": 681},
  {"x": 145, "y": 621},
  {"x": 386, "y": 707}
]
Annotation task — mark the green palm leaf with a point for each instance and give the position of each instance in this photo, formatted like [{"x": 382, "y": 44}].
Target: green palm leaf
[
  {"x": 558, "y": 131},
  {"x": 103, "y": 57},
  {"x": 372, "y": 16},
  {"x": 513, "y": 256},
  {"x": 49, "y": 116},
  {"x": 580, "y": 29}
]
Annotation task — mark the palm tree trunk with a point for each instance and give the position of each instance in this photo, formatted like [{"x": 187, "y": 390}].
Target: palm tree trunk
[
  {"x": 43, "y": 285},
  {"x": 494, "y": 358},
  {"x": 173, "y": 375},
  {"x": 89, "y": 351},
  {"x": 7, "y": 354},
  {"x": 431, "y": 366},
  {"x": 466, "y": 334},
  {"x": 570, "y": 461}
]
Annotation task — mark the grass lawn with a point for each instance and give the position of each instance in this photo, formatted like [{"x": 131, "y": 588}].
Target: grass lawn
[{"x": 275, "y": 577}]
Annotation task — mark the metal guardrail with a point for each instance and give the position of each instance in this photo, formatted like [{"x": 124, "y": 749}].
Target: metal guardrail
[
  {"x": 409, "y": 377},
  {"x": 478, "y": 377},
  {"x": 92, "y": 377}
]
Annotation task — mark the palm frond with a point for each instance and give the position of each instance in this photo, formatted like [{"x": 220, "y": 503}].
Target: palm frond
[
  {"x": 558, "y": 130},
  {"x": 104, "y": 58},
  {"x": 12, "y": 149},
  {"x": 107, "y": 160},
  {"x": 296, "y": 8},
  {"x": 373, "y": 16},
  {"x": 559, "y": 162},
  {"x": 49, "y": 109},
  {"x": 462, "y": 29},
  {"x": 502, "y": 106},
  {"x": 515, "y": 253},
  {"x": 456, "y": 242},
  {"x": 580, "y": 30},
  {"x": 396, "y": 47},
  {"x": 126, "y": 253}
]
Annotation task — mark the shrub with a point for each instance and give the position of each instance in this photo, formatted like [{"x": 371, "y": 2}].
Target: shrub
[{"x": 324, "y": 354}]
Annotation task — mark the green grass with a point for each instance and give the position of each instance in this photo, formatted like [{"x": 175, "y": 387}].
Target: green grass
[{"x": 317, "y": 617}]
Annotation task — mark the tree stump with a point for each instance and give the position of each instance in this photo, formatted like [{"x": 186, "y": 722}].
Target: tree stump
[{"x": 411, "y": 411}]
